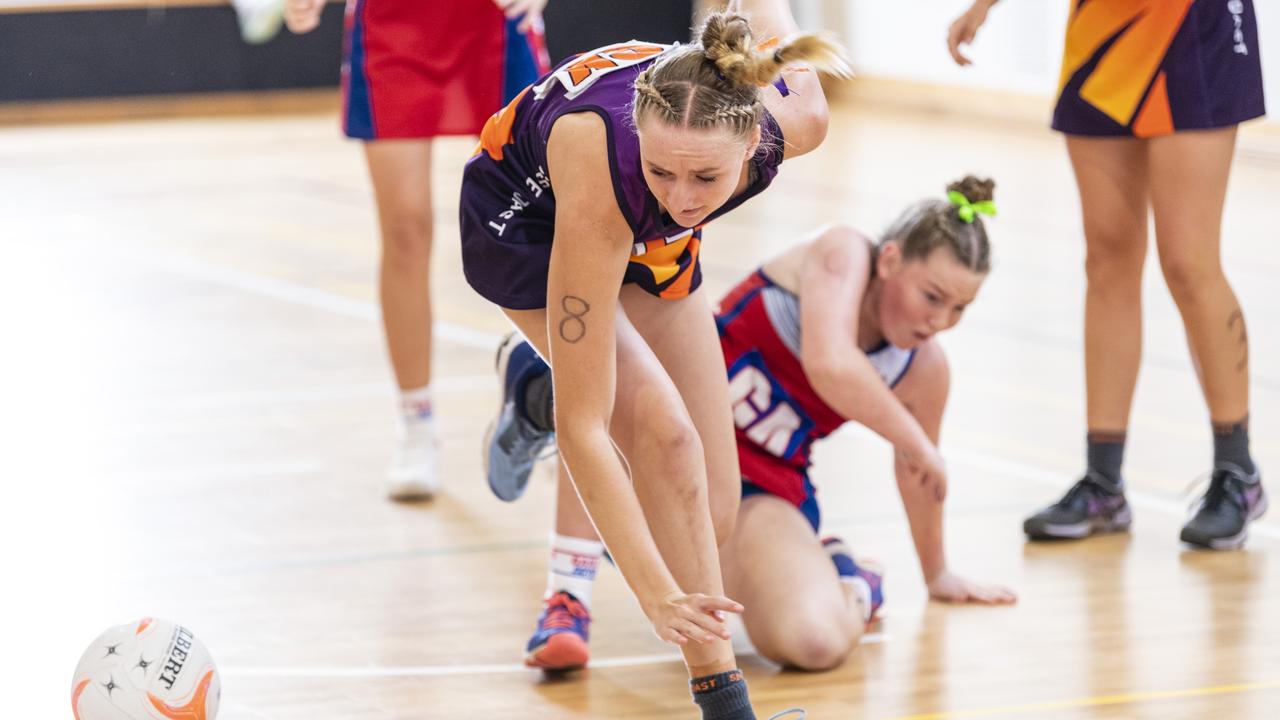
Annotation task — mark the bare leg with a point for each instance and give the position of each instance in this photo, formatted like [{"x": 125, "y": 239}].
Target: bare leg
[
  {"x": 1112, "y": 178},
  {"x": 798, "y": 613},
  {"x": 401, "y": 174},
  {"x": 683, "y": 336},
  {"x": 1188, "y": 236}
]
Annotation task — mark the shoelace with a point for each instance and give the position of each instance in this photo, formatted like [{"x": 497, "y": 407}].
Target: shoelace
[
  {"x": 798, "y": 713},
  {"x": 1083, "y": 485},
  {"x": 1216, "y": 480},
  {"x": 561, "y": 611}
]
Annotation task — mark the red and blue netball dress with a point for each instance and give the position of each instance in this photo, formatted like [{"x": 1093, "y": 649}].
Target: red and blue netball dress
[
  {"x": 424, "y": 68},
  {"x": 776, "y": 412},
  {"x": 508, "y": 204},
  {"x": 1145, "y": 68}
]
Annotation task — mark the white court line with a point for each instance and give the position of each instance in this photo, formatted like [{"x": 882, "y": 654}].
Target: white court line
[
  {"x": 308, "y": 296},
  {"x": 372, "y": 671},
  {"x": 328, "y": 393}
]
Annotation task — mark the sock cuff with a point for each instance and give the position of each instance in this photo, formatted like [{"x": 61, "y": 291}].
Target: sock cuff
[
  {"x": 575, "y": 545},
  {"x": 416, "y": 401},
  {"x": 708, "y": 684},
  {"x": 1107, "y": 437},
  {"x": 1231, "y": 426}
]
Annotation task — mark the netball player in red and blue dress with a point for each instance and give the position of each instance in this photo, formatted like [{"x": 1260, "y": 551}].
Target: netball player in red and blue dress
[
  {"x": 414, "y": 70},
  {"x": 581, "y": 218},
  {"x": 1150, "y": 96},
  {"x": 839, "y": 329}
]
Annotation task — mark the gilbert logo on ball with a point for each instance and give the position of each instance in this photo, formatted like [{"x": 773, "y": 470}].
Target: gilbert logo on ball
[{"x": 149, "y": 670}]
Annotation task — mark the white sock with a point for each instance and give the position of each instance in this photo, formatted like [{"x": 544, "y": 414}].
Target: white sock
[
  {"x": 416, "y": 408},
  {"x": 573, "y": 566}
]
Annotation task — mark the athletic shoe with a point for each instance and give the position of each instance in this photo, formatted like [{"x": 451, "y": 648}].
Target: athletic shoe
[
  {"x": 413, "y": 475},
  {"x": 560, "y": 641},
  {"x": 512, "y": 444},
  {"x": 866, "y": 577},
  {"x": 1222, "y": 516},
  {"x": 1093, "y": 505}
]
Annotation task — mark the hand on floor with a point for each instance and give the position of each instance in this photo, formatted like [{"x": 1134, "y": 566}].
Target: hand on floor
[{"x": 949, "y": 587}]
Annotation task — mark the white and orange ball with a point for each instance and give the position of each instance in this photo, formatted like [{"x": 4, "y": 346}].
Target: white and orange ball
[{"x": 149, "y": 670}]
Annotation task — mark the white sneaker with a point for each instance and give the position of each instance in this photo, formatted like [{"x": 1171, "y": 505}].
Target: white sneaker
[{"x": 413, "y": 475}]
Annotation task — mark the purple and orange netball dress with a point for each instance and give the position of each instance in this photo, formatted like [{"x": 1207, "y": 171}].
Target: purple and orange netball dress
[{"x": 1145, "y": 68}]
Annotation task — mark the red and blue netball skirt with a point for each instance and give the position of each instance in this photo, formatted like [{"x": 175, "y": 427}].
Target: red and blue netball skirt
[
  {"x": 1145, "y": 68},
  {"x": 423, "y": 68}
]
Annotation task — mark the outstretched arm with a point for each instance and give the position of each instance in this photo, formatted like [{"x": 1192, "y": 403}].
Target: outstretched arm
[
  {"x": 833, "y": 280},
  {"x": 924, "y": 392}
]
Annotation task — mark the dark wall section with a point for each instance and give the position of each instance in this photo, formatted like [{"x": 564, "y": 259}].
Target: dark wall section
[
  {"x": 574, "y": 26},
  {"x": 106, "y": 53},
  {"x": 103, "y": 53}
]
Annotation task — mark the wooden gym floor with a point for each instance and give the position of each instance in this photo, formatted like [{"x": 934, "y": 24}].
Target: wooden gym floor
[{"x": 197, "y": 414}]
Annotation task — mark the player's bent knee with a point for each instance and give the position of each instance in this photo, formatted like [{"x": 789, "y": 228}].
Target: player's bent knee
[
  {"x": 676, "y": 441},
  {"x": 816, "y": 646}
]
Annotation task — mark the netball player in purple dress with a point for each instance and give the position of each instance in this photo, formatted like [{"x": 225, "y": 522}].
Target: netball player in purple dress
[
  {"x": 581, "y": 218},
  {"x": 1150, "y": 96}
]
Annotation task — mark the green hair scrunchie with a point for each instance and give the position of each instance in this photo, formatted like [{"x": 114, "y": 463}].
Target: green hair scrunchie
[{"x": 967, "y": 210}]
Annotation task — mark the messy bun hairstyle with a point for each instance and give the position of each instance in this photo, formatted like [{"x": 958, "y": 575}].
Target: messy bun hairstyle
[
  {"x": 935, "y": 223},
  {"x": 716, "y": 81}
]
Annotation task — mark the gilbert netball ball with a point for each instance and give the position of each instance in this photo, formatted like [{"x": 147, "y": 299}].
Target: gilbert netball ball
[{"x": 149, "y": 670}]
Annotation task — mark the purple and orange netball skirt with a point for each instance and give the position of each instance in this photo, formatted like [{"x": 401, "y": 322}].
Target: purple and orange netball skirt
[{"x": 1144, "y": 68}]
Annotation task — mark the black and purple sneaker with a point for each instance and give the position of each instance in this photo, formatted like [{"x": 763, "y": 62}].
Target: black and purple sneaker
[
  {"x": 1221, "y": 518},
  {"x": 1093, "y": 505}
]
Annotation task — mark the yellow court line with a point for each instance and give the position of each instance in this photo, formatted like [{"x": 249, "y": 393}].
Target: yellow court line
[{"x": 1097, "y": 700}]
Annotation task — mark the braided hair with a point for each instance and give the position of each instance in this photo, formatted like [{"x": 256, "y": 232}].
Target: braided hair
[{"x": 716, "y": 81}]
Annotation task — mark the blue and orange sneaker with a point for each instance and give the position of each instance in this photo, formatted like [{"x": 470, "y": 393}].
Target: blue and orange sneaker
[
  {"x": 560, "y": 642},
  {"x": 512, "y": 443},
  {"x": 866, "y": 577}
]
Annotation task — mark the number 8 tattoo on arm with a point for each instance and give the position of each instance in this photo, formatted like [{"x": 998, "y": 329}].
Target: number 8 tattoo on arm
[{"x": 572, "y": 327}]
